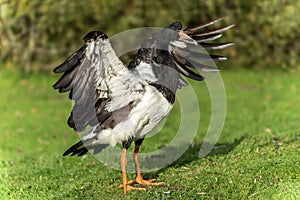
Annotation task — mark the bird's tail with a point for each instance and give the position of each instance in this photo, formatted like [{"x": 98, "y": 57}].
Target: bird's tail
[{"x": 82, "y": 147}]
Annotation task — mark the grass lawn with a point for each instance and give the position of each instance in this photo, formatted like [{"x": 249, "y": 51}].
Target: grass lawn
[{"x": 257, "y": 155}]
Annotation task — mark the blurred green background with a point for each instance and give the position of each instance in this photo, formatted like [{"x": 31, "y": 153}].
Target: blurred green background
[
  {"x": 257, "y": 154},
  {"x": 37, "y": 35}
]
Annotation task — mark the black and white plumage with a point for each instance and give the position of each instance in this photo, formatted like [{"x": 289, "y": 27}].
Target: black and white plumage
[{"x": 121, "y": 104}]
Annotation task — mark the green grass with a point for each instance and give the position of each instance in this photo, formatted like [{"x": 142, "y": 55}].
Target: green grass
[{"x": 258, "y": 155}]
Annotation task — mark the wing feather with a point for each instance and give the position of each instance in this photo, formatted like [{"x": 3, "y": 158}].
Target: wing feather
[
  {"x": 71, "y": 61},
  {"x": 192, "y": 29},
  {"x": 180, "y": 49},
  {"x": 190, "y": 49},
  {"x": 98, "y": 83}
]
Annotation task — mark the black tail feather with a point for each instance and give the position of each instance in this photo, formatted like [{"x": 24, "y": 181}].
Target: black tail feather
[
  {"x": 80, "y": 149},
  {"x": 73, "y": 148}
]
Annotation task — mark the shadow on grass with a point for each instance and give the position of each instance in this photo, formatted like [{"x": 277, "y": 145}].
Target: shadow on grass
[{"x": 192, "y": 154}]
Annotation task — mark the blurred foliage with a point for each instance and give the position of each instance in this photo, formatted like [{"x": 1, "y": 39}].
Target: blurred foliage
[
  {"x": 37, "y": 35},
  {"x": 268, "y": 33}
]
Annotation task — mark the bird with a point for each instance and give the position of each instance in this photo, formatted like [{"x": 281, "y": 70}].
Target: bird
[{"x": 118, "y": 103}]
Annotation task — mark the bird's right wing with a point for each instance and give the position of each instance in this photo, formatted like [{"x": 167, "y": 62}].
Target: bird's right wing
[{"x": 97, "y": 80}]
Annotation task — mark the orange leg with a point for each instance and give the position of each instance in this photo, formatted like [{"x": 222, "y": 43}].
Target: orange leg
[
  {"x": 125, "y": 184},
  {"x": 139, "y": 179}
]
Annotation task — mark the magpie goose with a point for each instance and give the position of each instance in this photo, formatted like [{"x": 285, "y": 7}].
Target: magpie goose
[{"x": 115, "y": 103}]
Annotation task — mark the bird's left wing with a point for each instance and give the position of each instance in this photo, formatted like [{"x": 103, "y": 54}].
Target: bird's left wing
[
  {"x": 193, "y": 47},
  {"x": 176, "y": 51},
  {"x": 98, "y": 82}
]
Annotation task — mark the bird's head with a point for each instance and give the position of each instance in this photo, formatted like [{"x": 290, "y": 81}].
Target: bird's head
[
  {"x": 168, "y": 34},
  {"x": 175, "y": 26},
  {"x": 94, "y": 36}
]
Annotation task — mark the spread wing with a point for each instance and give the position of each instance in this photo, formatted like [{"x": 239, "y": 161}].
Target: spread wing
[
  {"x": 175, "y": 51},
  {"x": 193, "y": 48},
  {"x": 98, "y": 83}
]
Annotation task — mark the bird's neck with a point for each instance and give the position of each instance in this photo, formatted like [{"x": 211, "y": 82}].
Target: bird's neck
[{"x": 161, "y": 76}]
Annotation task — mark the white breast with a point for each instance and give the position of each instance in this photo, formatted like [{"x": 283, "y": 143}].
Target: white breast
[
  {"x": 143, "y": 118},
  {"x": 154, "y": 107},
  {"x": 144, "y": 70}
]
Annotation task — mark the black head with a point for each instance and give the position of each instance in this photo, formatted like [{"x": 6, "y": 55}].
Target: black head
[
  {"x": 168, "y": 34},
  {"x": 175, "y": 26},
  {"x": 94, "y": 35}
]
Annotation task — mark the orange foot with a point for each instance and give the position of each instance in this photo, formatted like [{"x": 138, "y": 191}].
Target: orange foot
[
  {"x": 128, "y": 187},
  {"x": 140, "y": 181},
  {"x": 145, "y": 182}
]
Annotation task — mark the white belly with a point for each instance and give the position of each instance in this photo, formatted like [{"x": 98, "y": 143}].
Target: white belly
[
  {"x": 154, "y": 107},
  {"x": 143, "y": 118}
]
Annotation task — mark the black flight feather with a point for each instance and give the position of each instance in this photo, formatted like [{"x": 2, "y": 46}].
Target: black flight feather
[
  {"x": 71, "y": 61},
  {"x": 210, "y": 32},
  {"x": 192, "y": 29}
]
